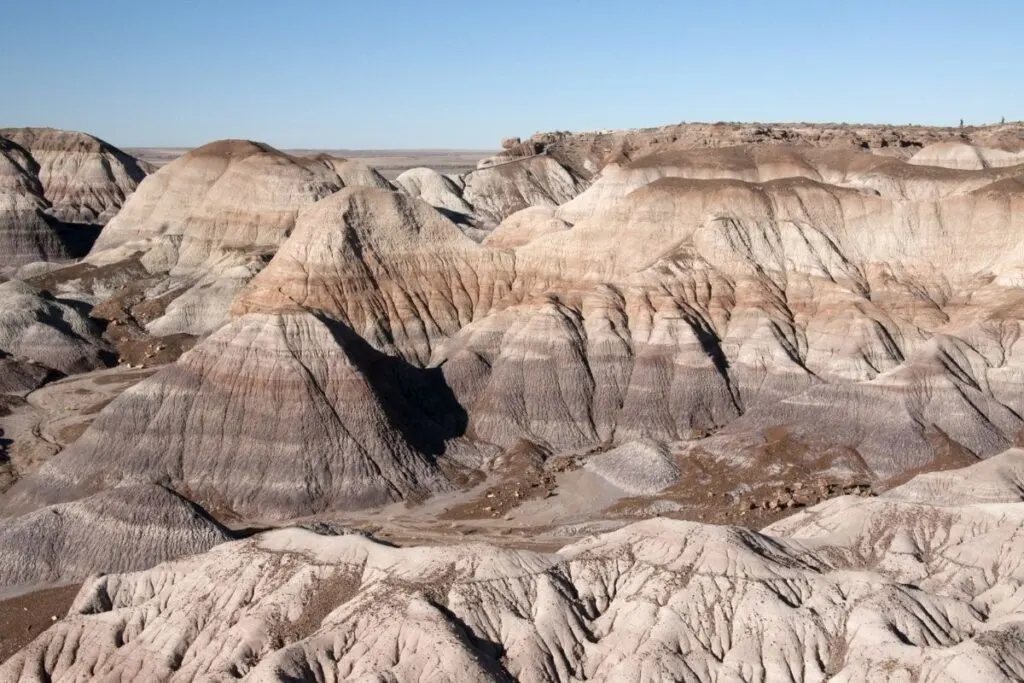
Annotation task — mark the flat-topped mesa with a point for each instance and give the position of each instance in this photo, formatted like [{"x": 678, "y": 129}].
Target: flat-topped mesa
[
  {"x": 587, "y": 153},
  {"x": 274, "y": 416},
  {"x": 390, "y": 266},
  {"x": 85, "y": 179}
]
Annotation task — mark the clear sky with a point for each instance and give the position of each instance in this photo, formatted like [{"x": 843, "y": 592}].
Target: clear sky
[{"x": 464, "y": 73}]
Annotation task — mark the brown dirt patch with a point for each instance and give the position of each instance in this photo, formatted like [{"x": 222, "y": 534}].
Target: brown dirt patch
[
  {"x": 70, "y": 434},
  {"x": 88, "y": 276},
  {"x": 146, "y": 351},
  {"x": 522, "y": 475},
  {"x": 26, "y": 616},
  {"x": 775, "y": 479}
]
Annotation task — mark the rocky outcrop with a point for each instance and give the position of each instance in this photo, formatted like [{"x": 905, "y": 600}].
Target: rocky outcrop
[
  {"x": 272, "y": 417},
  {"x": 854, "y": 589},
  {"x": 587, "y": 153}
]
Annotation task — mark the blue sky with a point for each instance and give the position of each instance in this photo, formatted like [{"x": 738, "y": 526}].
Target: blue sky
[{"x": 454, "y": 73}]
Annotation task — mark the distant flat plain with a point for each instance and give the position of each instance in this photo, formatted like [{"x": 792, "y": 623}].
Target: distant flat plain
[{"x": 390, "y": 162}]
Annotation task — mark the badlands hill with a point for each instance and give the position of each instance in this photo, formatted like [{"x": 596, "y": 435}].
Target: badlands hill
[
  {"x": 84, "y": 178},
  {"x": 698, "y": 323},
  {"x": 55, "y": 185},
  {"x": 899, "y": 587},
  {"x": 27, "y": 232},
  {"x": 854, "y": 307},
  {"x": 346, "y": 428},
  {"x": 198, "y": 229}
]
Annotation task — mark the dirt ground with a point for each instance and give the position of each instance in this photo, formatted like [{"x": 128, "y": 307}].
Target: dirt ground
[
  {"x": 53, "y": 416},
  {"x": 24, "y": 617}
]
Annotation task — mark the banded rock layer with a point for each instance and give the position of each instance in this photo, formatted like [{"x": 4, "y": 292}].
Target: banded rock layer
[
  {"x": 272, "y": 417},
  {"x": 85, "y": 179},
  {"x": 27, "y": 232},
  {"x": 881, "y": 325},
  {"x": 206, "y": 223},
  {"x": 36, "y": 327},
  {"x": 222, "y": 198},
  {"x": 123, "y": 529},
  {"x": 863, "y": 308},
  {"x": 391, "y": 267}
]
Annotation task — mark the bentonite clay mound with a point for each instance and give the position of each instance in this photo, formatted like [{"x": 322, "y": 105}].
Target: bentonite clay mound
[
  {"x": 122, "y": 529},
  {"x": 391, "y": 267},
  {"x": 203, "y": 225},
  {"x": 863, "y": 308},
  {"x": 36, "y": 327},
  {"x": 650, "y": 328},
  {"x": 273, "y": 416},
  {"x": 851, "y": 590},
  {"x": 56, "y": 188},
  {"x": 85, "y": 179},
  {"x": 27, "y": 232}
]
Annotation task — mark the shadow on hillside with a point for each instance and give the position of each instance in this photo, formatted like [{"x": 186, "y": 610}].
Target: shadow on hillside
[
  {"x": 77, "y": 237},
  {"x": 417, "y": 401}
]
